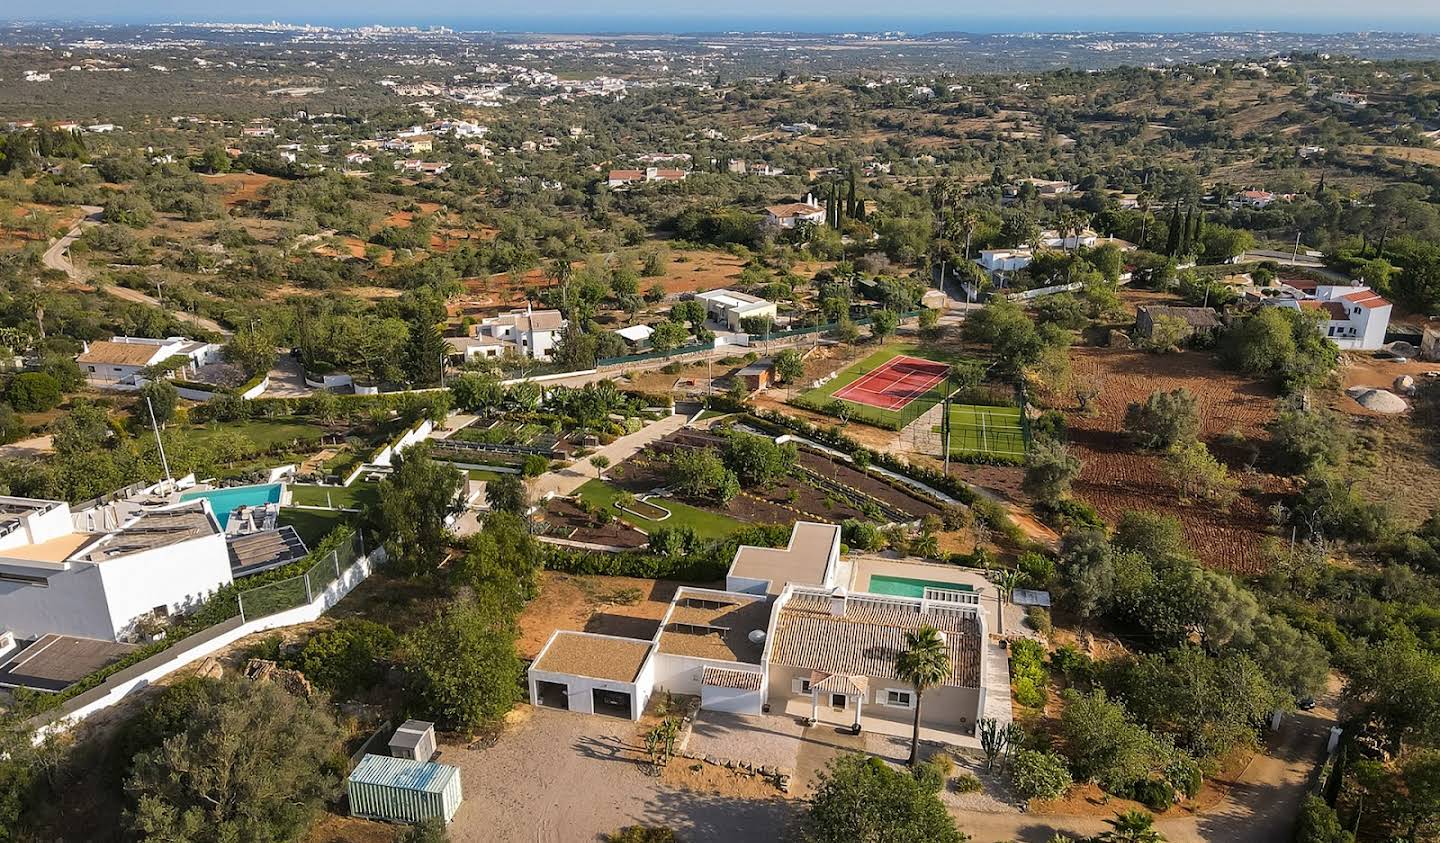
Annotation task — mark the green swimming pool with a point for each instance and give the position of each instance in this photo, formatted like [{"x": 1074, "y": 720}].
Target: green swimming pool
[{"x": 906, "y": 587}]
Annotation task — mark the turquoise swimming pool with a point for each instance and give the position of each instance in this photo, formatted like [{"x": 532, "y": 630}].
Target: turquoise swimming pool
[
  {"x": 905, "y": 587},
  {"x": 225, "y": 501}
]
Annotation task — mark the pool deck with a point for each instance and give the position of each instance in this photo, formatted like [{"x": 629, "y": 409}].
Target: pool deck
[{"x": 864, "y": 567}]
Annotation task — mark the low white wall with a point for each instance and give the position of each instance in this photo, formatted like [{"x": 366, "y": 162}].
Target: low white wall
[
  {"x": 257, "y": 390},
  {"x": 334, "y": 380},
  {"x": 349, "y": 578}
]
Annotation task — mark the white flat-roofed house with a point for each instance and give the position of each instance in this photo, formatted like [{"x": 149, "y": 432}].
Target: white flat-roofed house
[
  {"x": 621, "y": 178},
  {"x": 996, "y": 261},
  {"x": 533, "y": 333},
  {"x": 118, "y": 360},
  {"x": 1050, "y": 187},
  {"x": 97, "y": 585},
  {"x": 1349, "y": 99},
  {"x": 1070, "y": 241},
  {"x": 1356, "y": 317},
  {"x": 729, "y": 307}
]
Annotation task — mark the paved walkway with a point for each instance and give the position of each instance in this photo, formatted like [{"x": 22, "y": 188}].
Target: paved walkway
[{"x": 567, "y": 480}]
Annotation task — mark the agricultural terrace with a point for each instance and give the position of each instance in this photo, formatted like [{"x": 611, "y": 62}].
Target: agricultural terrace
[
  {"x": 814, "y": 488},
  {"x": 889, "y": 388},
  {"x": 1116, "y": 477}
]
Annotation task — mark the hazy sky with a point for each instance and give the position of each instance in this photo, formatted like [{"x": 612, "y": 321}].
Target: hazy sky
[{"x": 833, "y": 15}]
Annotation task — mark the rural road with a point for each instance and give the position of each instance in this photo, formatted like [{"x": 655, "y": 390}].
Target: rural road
[
  {"x": 57, "y": 257},
  {"x": 1260, "y": 808}
]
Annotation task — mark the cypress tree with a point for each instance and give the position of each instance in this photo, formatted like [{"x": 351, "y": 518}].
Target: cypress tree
[
  {"x": 1189, "y": 225},
  {"x": 1198, "y": 234},
  {"x": 1172, "y": 239}
]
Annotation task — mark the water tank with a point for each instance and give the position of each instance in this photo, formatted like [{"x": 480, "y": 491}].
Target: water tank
[{"x": 756, "y": 636}]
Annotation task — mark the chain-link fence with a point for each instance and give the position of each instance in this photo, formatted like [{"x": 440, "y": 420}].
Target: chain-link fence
[{"x": 301, "y": 589}]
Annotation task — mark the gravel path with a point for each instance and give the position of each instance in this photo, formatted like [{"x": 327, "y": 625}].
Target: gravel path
[{"x": 561, "y": 776}]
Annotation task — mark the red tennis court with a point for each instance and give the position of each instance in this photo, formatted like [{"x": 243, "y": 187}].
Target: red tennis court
[{"x": 897, "y": 382}]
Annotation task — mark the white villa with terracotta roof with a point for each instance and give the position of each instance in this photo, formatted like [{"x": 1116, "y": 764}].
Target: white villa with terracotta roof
[
  {"x": 118, "y": 360},
  {"x": 794, "y": 214},
  {"x": 1357, "y": 316},
  {"x": 798, "y": 632}
]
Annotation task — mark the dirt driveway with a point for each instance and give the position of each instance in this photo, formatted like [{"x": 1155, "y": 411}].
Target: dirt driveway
[{"x": 560, "y": 777}]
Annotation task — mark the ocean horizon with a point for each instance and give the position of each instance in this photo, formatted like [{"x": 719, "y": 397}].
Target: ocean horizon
[{"x": 702, "y": 24}]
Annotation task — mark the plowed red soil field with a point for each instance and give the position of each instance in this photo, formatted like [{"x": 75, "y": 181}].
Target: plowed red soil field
[{"x": 1117, "y": 477}]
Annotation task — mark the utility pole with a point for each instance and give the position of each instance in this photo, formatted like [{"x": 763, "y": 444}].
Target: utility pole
[
  {"x": 164, "y": 463},
  {"x": 1295, "y": 257}
]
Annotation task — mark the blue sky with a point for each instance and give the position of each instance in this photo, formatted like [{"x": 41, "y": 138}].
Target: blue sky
[{"x": 834, "y": 15}]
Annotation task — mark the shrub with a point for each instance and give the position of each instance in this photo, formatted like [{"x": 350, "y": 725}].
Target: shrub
[
  {"x": 535, "y": 465},
  {"x": 1027, "y": 669},
  {"x": 33, "y": 392},
  {"x": 862, "y": 535},
  {"x": 966, "y": 782},
  {"x": 1027, "y": 693},
  {"x": 1039, "y": 619},
  {"x": 348, "y": 657},
  {"x": 1039, "y": 569},
  {"x": 935, "y": 771},
  {"x": 1039, "y": 775},
  {"x": 1074, "y": 665},
  {"x": 1318, "y": 823},
  {"x": 1154, "y": 794}
]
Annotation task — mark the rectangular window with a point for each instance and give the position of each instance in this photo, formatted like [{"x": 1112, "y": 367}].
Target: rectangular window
[
  {"x": 800, "y": 686},
  {"x": 897, "y": 698},
  {"x": 837, "y": 701}
]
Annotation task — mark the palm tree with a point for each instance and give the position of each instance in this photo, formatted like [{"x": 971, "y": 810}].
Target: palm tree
[
  {"x": 1132, "y": 827},
  {"x": 924, "y": 664}
]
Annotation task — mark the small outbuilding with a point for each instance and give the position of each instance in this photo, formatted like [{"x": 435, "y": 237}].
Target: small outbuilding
[
  {"x": 1198, "y": 320},
  {"x": 415, "y": 740},
  {"x": 403, "y": 790},
  {"x": 757, "y": 375}
]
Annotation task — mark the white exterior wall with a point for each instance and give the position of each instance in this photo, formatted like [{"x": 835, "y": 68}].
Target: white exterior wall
[
  {"x": 178, "y": 576},
  {"x": 37, "y": 527},
  {"x": 732, "y": 700},
  {"x": 745, "y": 585},
  {"x": 119, "y": 691},
  {"x": 579, "y": 691},
  {"x": 73, "y": 603}
]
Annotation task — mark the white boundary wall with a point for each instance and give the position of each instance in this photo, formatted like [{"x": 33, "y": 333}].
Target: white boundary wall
[{"x": 349, "y": 578}]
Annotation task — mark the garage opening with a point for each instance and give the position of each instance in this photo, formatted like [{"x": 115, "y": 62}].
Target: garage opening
[
  {"x": 613, "y": 703},
  {"x": 553, "y": 694}
]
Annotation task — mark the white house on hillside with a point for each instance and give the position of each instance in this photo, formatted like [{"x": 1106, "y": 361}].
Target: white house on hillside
[
  {"x": 119, "y": 359},
  {"x": 56, "y": 579},
  {"x": 1357, "y": 317},
  {"x": 729, "y": 307},
  {"x": 799, "y": 633},
  {"x": 533, "y": 333},
  {"x": 793, "y": 214},
  {"x": 1005, "y": 260}
]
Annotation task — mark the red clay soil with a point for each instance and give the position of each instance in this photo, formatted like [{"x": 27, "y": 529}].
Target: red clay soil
[{"x": 1117, "y": 477}]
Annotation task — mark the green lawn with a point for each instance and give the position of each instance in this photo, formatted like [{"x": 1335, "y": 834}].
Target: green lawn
[
  {"x": 262, "y": 432},
  {"x": 821, "y": 398},
  {"x": 356, "y": 496},
  {"x": 977, "y": 429},
  {"x": 313, "y": 524},
  {"x": 708, "y": 525}
]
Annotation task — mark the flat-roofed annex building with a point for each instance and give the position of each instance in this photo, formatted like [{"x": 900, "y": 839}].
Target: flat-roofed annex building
[{"x": 98, "y": 584}]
